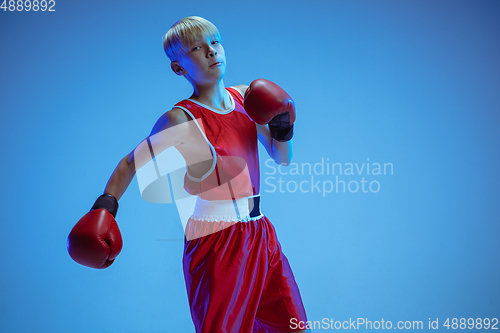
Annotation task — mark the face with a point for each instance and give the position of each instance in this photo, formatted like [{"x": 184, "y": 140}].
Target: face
[{"x": 204, "y": 62}]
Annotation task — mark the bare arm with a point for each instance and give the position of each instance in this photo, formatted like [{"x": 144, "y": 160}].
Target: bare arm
[
  {"x": 162, "y": 139},
  {"x": 121, "y": 178},
  {"x": 280, "y": 152}
]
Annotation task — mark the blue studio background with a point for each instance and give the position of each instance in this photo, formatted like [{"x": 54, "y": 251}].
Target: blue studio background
[{"x": 412, "y": 84}]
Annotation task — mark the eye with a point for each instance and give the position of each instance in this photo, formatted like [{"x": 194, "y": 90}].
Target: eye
[
  {"x": 195, "y": 48},
  {"x": 215, "y": 42}
]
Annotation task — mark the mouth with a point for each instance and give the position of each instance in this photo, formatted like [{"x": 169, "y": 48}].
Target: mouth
[{"x": 216, "y": 64}]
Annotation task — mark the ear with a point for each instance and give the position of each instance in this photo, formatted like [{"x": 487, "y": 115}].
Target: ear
[{"x": 177, "y": 68}]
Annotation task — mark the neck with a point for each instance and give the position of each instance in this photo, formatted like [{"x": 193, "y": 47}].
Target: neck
[{"x": 214, "y": 95}]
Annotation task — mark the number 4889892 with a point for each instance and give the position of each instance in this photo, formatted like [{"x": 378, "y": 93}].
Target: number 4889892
[{"x": 28, "y": 5}]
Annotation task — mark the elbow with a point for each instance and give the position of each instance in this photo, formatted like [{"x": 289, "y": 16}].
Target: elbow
[
  {"x": 129, "y": 163},
  {"x": 282, "y": 153},
  {"x": 285, "y": 161},
  {"x": 130, "y": 158},
  {"x": 289, "y": 158}
]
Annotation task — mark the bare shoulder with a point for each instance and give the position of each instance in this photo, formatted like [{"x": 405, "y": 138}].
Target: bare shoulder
[
  {"x": 169, "y": 119},
  {"x": 171, "y": 129},
  {"x": 241, "y": 88},
  {"x": 176, "y": 116}
]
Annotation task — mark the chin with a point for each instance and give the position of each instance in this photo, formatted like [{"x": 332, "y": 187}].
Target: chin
[
  {"x": 222, "y": 72},
  {"x": 220, "y": 76}
]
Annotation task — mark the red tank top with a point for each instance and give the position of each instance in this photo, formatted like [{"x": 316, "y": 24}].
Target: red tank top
[{"x": 232, "y": 137}]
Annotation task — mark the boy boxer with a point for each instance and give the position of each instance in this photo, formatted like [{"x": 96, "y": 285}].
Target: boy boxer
[{"x": 237, "y": 278}]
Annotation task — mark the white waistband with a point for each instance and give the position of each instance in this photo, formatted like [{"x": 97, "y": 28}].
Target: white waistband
[{"x": 223, "y": 210}]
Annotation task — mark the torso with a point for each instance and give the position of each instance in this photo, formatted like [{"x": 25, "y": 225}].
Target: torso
[{"x": 229, "y": 136}]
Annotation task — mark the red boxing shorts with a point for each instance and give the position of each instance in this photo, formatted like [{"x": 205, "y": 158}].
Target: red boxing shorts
[{"x": 237, "y": 278}]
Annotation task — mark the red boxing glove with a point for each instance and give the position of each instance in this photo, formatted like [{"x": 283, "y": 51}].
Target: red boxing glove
[
  {"x": 95, "y": 240},
  {"x": 267, "y": 103}
]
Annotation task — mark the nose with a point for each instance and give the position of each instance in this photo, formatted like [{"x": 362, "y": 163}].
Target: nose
[{"x": 211, "y": 51}]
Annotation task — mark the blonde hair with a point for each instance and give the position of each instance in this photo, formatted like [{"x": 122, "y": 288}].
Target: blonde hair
[{"x": 184, "y": 32}]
